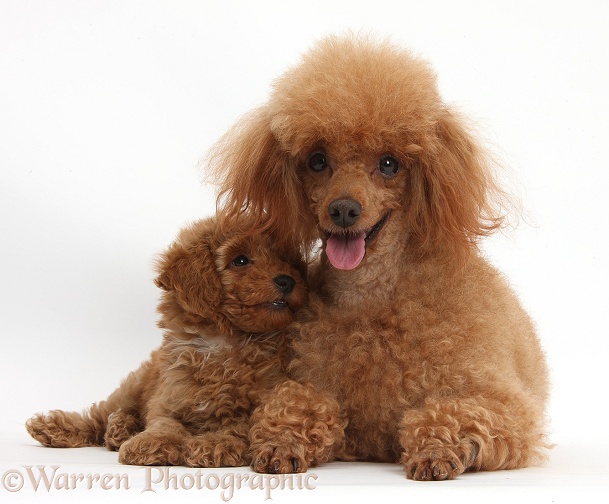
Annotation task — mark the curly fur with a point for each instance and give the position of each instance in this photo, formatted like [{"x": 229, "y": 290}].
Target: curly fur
[
  {"x": 300, "y": 413},
  {"x": 222, "y": 351},
  {"x": 422, "y": 343}
]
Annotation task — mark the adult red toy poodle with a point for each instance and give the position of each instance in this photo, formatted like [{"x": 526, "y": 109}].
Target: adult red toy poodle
[{"x": 418, "y": 339}]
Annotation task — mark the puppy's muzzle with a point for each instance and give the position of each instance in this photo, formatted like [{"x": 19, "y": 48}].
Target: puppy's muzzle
[{"x": 284, "y": 283}]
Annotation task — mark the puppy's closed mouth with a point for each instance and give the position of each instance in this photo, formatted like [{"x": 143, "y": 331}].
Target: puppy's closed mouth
[
  {"x": 345, "y": 251},
  {"x": 279, "y": 304}
]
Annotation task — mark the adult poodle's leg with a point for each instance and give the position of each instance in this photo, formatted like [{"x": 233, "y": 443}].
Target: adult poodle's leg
[
  {"x": 225, "y": 448},
  {"x": 160, "y": 444},
  {"x": 296, "y": 428},
  {"x": 449, "y": 436}
]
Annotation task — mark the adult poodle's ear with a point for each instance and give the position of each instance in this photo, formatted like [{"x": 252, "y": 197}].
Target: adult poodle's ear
[
  {"x": 258, "y": 177},
  {"x": 190, "y": 274},
  {"x": 454, "y": 191}
]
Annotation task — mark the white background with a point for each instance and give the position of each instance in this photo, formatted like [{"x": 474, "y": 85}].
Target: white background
[{"x": 107, "y": 107}]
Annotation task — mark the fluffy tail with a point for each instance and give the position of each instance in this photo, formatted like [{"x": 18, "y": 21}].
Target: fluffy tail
[{"x": 120, "y": 415}]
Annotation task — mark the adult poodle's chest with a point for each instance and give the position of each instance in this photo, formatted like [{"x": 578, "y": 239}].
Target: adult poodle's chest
[
  {"x": 367, "y": 363},
  {"x": 376, "y": 366}
]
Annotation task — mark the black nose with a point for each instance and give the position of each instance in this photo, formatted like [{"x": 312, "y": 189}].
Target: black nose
[
  {"x": 344, "y": 212},
  {"x": 285, "y": 283}
]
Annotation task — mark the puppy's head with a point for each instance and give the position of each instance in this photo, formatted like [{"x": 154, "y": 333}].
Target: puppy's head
[
  {"x": 356, "y": 141},
  {"x": 228, "y": 276}
]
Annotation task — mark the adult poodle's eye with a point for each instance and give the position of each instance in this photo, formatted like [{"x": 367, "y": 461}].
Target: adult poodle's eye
[
  {"x": 317, "y": 162},
  {"x": 389, "y": 166},
  {"x": 240, "y": 261}
]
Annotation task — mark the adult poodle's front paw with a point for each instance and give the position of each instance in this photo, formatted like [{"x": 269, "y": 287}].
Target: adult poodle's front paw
[
  {"x": 279, "y": 460},
  {"x": 216, "y": 450},
  {"x": 431, "y": 468}
]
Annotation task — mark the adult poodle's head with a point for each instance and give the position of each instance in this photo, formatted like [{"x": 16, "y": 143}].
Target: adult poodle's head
[
  {"x": 356, "y": 147},
  {"x": 227, "y": 277}
]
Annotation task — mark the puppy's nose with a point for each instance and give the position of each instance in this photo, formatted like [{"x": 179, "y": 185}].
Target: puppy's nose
[
  {"x": 344, "y": 212},
  {"x": 285, "y": 283}
]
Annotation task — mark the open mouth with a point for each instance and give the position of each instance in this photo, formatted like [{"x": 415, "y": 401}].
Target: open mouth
[
  {"x": 374, "y": 230},
  {"x": 345, "y": 251}
]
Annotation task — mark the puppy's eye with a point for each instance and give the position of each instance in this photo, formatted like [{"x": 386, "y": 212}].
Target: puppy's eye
[
  {"x": 389, "y": 166},
  {"x": 317, "y": 162},
  {"x": 240, "y": 261}
]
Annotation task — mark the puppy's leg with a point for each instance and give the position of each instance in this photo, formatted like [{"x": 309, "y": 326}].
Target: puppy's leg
[
  {"x": 121, "y": 426},
  {"x": 449, "y": 436},
  {"x": 160, "y": 444},
  {"x": 68, "y": 429},
  {"x": 296, "y": 428},
  {"x": 226, "y": 448}
]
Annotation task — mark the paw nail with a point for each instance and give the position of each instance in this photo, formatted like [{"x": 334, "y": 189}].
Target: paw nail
[
  {"x": 436, "y": 472},
  {"x": 276, "y": 466},
  {"x": 295, "y": 464},
  {"x": 453, "y": 465}
]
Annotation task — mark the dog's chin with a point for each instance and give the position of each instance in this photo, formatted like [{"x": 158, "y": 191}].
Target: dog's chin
[
  {"x": 346, "y": 250},
  {"x": 265, "y": 317}
]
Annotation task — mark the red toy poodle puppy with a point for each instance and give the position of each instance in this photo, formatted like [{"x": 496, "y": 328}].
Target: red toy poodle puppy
[{"x": 227, "y": 298}]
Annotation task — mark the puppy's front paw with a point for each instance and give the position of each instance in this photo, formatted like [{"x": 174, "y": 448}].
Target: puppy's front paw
[
  {"x": 147, "y": 449},
  {"x": 279, "y": 460}
]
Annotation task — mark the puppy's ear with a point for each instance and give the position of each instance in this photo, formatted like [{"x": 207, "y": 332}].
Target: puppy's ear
[
  {"x": 453, "y": 191},
  {"x": 256, "y": 176},
  {"x": 190, "y": 273}
]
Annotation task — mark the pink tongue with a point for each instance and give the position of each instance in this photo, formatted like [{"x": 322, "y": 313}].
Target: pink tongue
[{"x": 345, "y": 252}]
